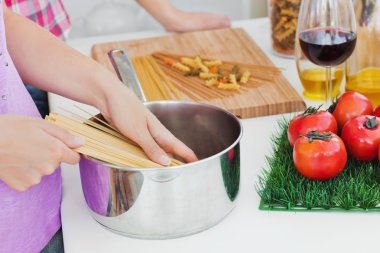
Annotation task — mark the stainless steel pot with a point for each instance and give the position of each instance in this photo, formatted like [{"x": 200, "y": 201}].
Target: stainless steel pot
[{"x": 161, "y": 203}]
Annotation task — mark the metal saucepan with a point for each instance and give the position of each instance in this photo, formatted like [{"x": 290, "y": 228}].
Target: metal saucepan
[{"x": 161, "y": 203}]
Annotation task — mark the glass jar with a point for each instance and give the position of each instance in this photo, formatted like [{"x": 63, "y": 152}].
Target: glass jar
[
  {"x": 313, "y": 77},
  {"x": 283, "y": 15},
  {"x": 363, "y": 67}
]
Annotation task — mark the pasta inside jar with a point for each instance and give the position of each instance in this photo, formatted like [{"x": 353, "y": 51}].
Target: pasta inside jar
[{"x": 284, "y": 18}]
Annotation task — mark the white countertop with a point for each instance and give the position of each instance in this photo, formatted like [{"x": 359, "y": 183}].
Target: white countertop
[{"x": 246, "y": 229}]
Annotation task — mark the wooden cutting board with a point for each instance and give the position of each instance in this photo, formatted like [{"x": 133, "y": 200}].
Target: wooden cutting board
[{"x": 274, "y": 97}]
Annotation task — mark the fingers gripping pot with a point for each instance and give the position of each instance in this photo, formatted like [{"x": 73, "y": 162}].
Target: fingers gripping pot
[{"x": 161, "y": 203}]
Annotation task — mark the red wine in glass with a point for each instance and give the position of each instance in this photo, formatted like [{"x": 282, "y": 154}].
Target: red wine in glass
[
  {"x": 326, "y": 35},
  {"x": 327, "y": 46}
]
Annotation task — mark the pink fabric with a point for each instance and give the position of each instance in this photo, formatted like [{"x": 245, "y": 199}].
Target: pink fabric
[
  {"x": 49, "y": 14},
  {"x": 28, "y": 220}
]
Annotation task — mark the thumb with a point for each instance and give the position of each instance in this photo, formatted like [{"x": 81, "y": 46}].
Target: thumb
[{"x": 70, "y": 140}]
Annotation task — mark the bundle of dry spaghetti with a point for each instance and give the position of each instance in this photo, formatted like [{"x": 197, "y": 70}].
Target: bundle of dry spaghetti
[
  {"x": 104, "y": 142},
  {"x": 154, "y": 81},
  {"x": 166, "y": 76},
  {"x": 258, "y": 73}
]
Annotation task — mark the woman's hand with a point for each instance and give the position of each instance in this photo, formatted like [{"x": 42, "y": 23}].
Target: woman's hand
[
  {"x": 130, "y": 116},
  {"x": 31, "y": 148},
  {"x": 195, "y": 21},
  {"x": 80, "y": 79},
  {"x": 176, "y": 20}
]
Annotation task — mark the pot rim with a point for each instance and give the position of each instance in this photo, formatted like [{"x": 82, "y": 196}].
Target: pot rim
[{"x": 186, "y": 165}]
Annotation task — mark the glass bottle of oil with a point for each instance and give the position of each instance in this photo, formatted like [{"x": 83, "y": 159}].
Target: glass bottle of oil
[
  {"x": 363, "y": 67},
  {"x": 313, "y": 77}
]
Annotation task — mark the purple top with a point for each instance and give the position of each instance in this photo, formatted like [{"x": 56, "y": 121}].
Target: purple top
[
  {"x": 28, "y": 220},
  {"x": 95, "y": 184}
]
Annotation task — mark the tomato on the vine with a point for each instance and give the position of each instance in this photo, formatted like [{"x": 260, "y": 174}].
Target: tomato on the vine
[
  {"x": 377, "y": 111},
  {"x": 319, "y": 156},
  {"x": 311, "y": 120},
  {"x": 350, "y": 105},
  {"x": 362, "y": 137}
]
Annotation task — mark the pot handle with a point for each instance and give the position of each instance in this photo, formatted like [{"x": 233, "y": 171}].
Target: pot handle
[{"x": 126, "y": 72}]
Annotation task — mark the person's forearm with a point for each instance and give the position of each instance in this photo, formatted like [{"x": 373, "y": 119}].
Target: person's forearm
[
  {"x": 176, "y": 20},
  {"x": 46, "y": 62},
  {"x": 162, "y": 10}
]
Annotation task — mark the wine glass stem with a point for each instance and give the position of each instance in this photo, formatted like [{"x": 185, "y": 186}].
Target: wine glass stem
[{"x": 329, "y": 95}]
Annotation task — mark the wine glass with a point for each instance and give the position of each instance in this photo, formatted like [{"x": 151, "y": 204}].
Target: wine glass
[{"x": 326, "y": 33}]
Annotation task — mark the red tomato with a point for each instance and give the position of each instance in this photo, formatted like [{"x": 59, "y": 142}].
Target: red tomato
[
  {"x": 319, "y": 156},
  {"x": 362, "y": 137},
  {"x": 350, "y": 105},
  {"x": 231, "y": 154},
  {"x": 311, "y": 120},
  {"x": 377, "y": 112}
]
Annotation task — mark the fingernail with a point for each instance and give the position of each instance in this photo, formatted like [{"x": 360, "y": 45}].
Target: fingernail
[
  {"x": 79, "y": 140},
  {"x": 164, "y": 160}
]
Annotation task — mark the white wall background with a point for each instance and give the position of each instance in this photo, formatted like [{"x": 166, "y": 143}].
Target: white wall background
[{"x": 88, "y": 18}]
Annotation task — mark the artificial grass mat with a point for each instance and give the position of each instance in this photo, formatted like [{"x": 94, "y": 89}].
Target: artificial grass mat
[{"x": 282, "y": 188}]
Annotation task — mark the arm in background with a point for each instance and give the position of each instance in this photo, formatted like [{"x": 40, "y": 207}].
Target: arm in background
[{"x": 175, "y": 20}]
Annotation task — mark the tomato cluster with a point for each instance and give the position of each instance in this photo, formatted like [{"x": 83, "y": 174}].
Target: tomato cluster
[{"x": 318, "y": 152}]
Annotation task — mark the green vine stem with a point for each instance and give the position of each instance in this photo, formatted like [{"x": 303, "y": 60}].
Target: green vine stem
[
  {"x": 332, "y": 107},
  {"x": 310, "y": 111},
  {"x": 371, "y": 123},
  {"x": 314, "y": 135}
]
